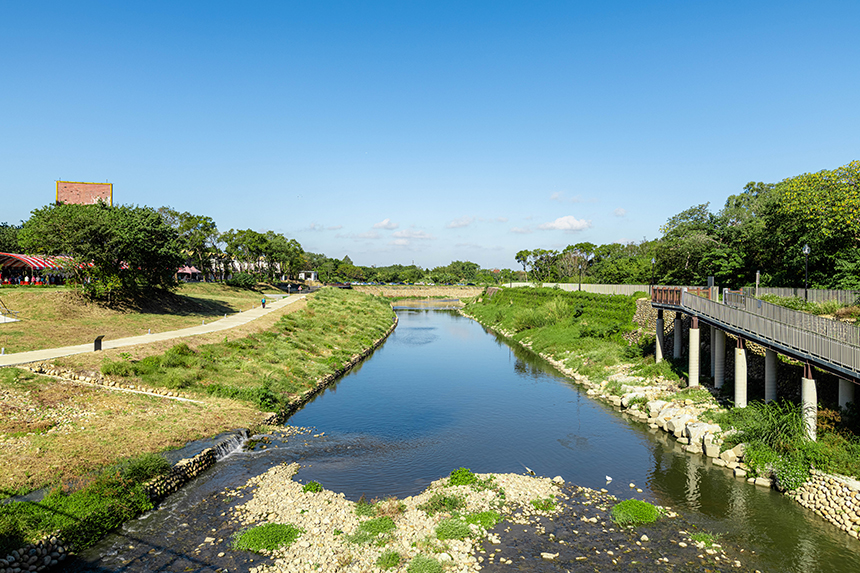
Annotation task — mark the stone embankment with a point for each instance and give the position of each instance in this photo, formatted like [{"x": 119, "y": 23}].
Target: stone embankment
[
  {"x": 40, "y": 556},
  {"x": 652, "y": 401}
]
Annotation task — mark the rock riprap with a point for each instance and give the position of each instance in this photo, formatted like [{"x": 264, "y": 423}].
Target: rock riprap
[{"x": 330, "y": 521}]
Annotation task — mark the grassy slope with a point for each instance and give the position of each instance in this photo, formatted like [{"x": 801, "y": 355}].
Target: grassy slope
[
  {"x": 584, "y": 330},
  {"x": 72, "y": 429},
  {"x": 55, "y": 316}
]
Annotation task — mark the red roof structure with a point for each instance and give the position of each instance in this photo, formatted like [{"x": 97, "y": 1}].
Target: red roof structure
[{"x": 14, "y": 261}]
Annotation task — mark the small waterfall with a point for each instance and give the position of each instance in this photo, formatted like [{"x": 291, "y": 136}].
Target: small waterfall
[{"x": 231, "y": 444}]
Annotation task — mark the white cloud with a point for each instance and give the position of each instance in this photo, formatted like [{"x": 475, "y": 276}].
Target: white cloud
[
  {"x": 560, "y": 197},
  {"x": 315, "y": 227},
  {"x": 386, "y": 224},
  {"x": 359, "y": 236},
  {"x": 412, "y": 234},
  {"x": 521, "y": 230},
  {"x": 502, "y": 219},
  {"x": 567, "y": 223},
  {"x": 400, "y": 242},
  {"x": 619, "y": 212},
  {"x": 557, "y": 196},
  {"x": 460, "y": 222},
  {"x": 334, "y": 228}
]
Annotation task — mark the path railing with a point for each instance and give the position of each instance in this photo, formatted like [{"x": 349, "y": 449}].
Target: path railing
[{"x": 799, "y": 335}]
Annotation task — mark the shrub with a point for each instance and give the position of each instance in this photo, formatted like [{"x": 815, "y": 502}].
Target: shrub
[
  {"x": 634, "y": 512},
  {"x": 312, "y": 487},
  {"x": 440, "y": 502},
  {"x": 462, "y": 476},
  {"x": 388, "y": 560},
  {"x": 267, "y": 537},
  {"x": 242, "y": 280},
  {"x": 118, "y": 368},
  {"x": 422, "y": 564},
  {"x": 453, "y": 528}
]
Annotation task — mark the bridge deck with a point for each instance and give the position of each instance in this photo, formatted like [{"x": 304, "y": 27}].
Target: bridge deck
[{"x": 826, "y": 344}]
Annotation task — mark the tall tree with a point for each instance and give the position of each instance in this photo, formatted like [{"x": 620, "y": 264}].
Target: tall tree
[{"x": 115, "y": 251}]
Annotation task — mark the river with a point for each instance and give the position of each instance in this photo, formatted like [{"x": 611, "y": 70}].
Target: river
[{"x": 442, "y": 393}]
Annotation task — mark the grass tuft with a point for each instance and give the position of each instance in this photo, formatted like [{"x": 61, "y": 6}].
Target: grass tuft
[
  {"x": 267, "y": 537},
  {"x": 634, "y": 512}
]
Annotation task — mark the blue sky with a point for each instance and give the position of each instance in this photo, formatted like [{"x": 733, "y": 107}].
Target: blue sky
[{"x": 403, "y": 131}]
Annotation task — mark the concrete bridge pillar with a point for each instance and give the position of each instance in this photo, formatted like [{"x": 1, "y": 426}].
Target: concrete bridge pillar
[
  {"x": 740, "y": 375},
  {"x": 769, "y": 375},
  {"x": 846, "y": 392},
  {"x": 809, "y": 402},
  {"x": 713, "y": 351},
  {"x": 658, "y": 345},
  {"x": 719, "y": 344},
  {"x": 676, "y": 350},
  {"x": 693, "y": 367}
]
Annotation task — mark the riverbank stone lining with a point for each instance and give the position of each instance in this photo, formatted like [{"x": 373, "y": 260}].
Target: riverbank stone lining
[
  {"x": 834, "y": 498},
  {"x": 43, "y": 555}
]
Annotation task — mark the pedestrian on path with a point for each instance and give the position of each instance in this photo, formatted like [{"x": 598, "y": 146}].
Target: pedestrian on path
[{"x": 264, "y": 302}]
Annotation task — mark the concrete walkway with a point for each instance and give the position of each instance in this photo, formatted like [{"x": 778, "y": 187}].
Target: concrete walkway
[{"x": 230, "y": 321}]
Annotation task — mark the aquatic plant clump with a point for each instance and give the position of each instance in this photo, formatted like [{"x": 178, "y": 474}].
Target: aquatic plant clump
[
  {"x": 634, "y": 512},
  {"x": 462, "y": 476},
  {"x": 267, "y": 537},
  {"x": 312, "y": 487}
]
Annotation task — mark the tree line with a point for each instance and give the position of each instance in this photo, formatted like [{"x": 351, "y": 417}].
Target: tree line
[{"x": 762, "y": 229}]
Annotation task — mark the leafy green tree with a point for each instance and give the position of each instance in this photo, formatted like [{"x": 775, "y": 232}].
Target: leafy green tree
[
  {"x": 116, "y": 251},
  {"x": 198, "y": 235},
  {"x": 9, "y": 238}
]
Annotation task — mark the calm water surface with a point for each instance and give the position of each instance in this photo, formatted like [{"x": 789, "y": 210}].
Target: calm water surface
[{"x": 443, "y": 393}]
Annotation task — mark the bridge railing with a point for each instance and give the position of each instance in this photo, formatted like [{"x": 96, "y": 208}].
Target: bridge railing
[
  {"x": 796, "y": 336},
  {"x": 814, "y": 295},
  {"x": 842, "y": 331},
  {"x": 672, "y": 295}
]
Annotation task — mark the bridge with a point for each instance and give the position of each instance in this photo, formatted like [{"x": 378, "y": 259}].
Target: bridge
[{"x": 817, "y": 342}]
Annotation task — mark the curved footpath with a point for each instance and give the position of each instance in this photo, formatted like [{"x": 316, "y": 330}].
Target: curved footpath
[
  {"x": 230, "y": 321},
  {"x": 833, "y": 497}
]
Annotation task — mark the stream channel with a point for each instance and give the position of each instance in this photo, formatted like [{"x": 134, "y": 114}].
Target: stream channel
[{"x": 441, "y": 393}]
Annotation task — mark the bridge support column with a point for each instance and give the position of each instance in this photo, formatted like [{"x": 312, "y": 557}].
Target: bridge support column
[
  {"x": 769, "y": 375},
  {"x": 846, "y": 392},
  {"x": 809, "y": 402},
  {"x": 719, "y": 344},
  {"x": 658, "y": 345},
  {"x": 693, "y": 367},
  {"x": 740, "y": 375},
  {"x": 676, "y": 350},
  {"x": 713, "y": 351}
]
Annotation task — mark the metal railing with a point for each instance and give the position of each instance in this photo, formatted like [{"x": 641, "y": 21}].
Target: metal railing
[
  {"x": 841, "y": 331},
  {"x": 814, "y": 295},
  {"x": 800, "y": 337}
]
